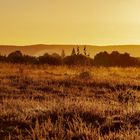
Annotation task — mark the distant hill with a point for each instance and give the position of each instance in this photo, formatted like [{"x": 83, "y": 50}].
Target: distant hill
[{"x": 40, "y": 49}]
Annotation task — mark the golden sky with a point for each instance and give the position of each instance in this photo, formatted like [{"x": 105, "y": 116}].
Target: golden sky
[{"x": 99, "y": 22}]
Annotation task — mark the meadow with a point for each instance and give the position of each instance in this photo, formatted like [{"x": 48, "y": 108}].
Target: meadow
[{"x": 40, "y": 102}]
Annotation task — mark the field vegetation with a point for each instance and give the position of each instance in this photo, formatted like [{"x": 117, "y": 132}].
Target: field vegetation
[
  {"x": 77, "y": 57},
  {"x": 41, "y": 102}
]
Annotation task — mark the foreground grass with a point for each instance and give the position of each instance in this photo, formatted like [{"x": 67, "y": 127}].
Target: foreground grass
[{"x": 64, "y": 103}]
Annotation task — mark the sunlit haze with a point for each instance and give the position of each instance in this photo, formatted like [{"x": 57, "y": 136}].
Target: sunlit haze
[{"x": 95, "y": 22}]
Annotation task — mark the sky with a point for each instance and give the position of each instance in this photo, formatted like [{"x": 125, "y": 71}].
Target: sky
[{"x": 94, "y": 22}]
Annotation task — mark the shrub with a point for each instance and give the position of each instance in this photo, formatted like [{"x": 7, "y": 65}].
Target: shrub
[
  {"x": 127, "y": 97},
  {"x": 85, "y": 75},
  {"x": 78, "y": 60},
  {"x": 50, "y": 59},
  {"x": 15, "y": 57}
]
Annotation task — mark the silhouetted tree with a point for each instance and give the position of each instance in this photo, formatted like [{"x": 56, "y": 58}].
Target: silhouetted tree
[
  {"x": 78, "y": 60},
  {"x": 85, "y": 50},
  {"x": 56, "y": 55},
  {"x": 49, "y": 59},
  {"x": 101, "y": 59},
  {"x": 88, "y": 55},
  {"x": 15, "y": 57},
  {"x": 73, "y": 52},
  {"x": 115, "y": 59},
  {"x": 30, "y": 59},
  {"x": 78, "y": 51},
  {"x": 63, "y": 54}
]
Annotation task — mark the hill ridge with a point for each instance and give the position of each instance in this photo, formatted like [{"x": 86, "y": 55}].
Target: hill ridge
[{"x": 40, "y": 49}]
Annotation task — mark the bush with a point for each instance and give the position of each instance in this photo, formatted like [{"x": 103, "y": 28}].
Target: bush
[
  {"x": 115, "y": 59},
  {"x": 50, "y": 59},
  {"x": 15, "y": 57},
  {"x": 78, "y": 60},
  {"x": 85, "y": 75},
  {"x": 127, "y": 97}
]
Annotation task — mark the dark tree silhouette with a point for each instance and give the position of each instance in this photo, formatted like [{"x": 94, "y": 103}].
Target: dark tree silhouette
[
  {"x": 63, "y": 54},
  {"x": 30, "y": 59},
  {"x": 56, "y": 55},
  {"x": 49, "y": 59},
  {"x": 85, "y": 50},
  {"x": 78, "y": 50},
  {"x": 115, "y": 59},
  {"x": 78, "y": 60},
  {"x": 15, "y": 57},
  {"x": 101, "y": 59},
  {"x": 73, "y": 52}
]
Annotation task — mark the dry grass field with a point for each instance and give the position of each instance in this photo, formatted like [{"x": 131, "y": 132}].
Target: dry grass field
[{"x": 69, "y": 103}]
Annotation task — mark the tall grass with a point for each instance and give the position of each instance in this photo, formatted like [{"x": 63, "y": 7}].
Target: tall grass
[{"x": 69, "y": 103}]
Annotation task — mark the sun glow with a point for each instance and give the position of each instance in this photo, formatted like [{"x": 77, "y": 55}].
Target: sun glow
[{"x": 96, "y": 22}]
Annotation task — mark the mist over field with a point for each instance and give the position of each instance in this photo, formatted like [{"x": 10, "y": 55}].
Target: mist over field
[{"x": 40, "y": 49}]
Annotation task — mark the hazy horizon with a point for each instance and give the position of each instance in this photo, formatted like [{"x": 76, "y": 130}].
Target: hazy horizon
[
  {"x": 40, "y": 49},
  {"x": 63, "y": 44}
]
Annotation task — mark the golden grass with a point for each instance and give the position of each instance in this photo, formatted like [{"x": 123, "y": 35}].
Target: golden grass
[{"x": 57, "y": 103}]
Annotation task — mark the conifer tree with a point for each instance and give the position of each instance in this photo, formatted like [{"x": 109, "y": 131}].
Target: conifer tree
[
  {"x": 63, "y": 54},
  {"x": 73, "y": 52},
  {"x": 85, "y": 50},
  {"x": 78, "y": 50}
]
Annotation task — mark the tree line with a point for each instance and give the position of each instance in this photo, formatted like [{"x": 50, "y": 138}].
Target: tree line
[{"x": 76, "y": 58}]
